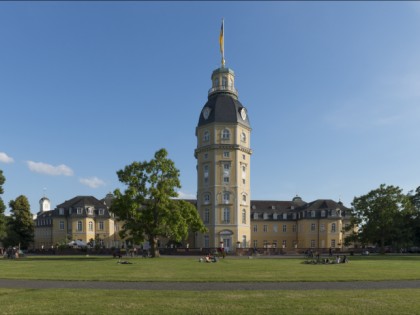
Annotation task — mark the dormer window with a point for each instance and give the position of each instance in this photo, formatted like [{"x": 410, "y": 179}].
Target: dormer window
[
  {"x": 79, "y": 211},
  {"x": 265, "y": 216},
  {"x": 101, "y": 211},
  {"x": 90, "y": 211},
  {"x": 61, "y": 211}
]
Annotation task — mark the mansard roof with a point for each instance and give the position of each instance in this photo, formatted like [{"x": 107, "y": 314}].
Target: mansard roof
[{"x": 82, "y": 201}]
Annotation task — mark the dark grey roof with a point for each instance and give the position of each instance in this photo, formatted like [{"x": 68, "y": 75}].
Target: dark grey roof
[
  {"x": 225, "y": 108},
  {"x": 323, "y": 204},
  {"x": 82, "y": 201}
]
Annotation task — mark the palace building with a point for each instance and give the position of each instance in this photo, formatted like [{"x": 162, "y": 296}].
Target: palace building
[{"x": 223, "y": 202}]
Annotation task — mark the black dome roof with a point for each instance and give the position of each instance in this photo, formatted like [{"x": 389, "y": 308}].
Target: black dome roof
[{"x": 224, "y": 108}]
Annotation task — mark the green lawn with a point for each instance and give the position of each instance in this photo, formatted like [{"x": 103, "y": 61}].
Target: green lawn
[
  {"x": 229, "y": 269},
  {"x": 83, "y": 301}
]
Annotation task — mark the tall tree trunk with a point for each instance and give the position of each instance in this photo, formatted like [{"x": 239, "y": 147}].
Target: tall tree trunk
[{"x": 154, "y": 249}]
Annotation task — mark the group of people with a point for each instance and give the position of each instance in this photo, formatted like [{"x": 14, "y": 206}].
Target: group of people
[
  {"x": 208, "y": 258},
  {"x": 329, "y": 260}
]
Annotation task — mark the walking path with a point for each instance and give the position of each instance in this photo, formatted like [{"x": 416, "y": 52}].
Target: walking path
[{"x": 208, "y": 286}]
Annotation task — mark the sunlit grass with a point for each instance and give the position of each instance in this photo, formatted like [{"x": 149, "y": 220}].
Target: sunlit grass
[
  {"x": 229, "y": 269},
  {"x": 24, "y": 301}
]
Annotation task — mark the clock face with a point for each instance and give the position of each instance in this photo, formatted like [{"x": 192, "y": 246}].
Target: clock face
[
  {"x": 243, "y": 113},
  {"x": 206, "y": 112}
]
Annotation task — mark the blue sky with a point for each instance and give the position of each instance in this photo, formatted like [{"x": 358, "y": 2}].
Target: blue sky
[{"x": 332, "y": 91}]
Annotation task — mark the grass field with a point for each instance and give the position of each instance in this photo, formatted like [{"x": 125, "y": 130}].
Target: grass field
[{"x": 82, "y": 301}]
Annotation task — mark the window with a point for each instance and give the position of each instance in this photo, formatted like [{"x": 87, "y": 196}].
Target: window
[
  {"x": 294, "y": 228},
  {"x": 226, "y": 167},
  {"x": 101, "y": 225},
  {"x": 226, "y": 179},
  {"x": 206, "y": 241},
  {"x": 90, "y": 211},
  {"x": 312, "y": 243},
  {"x": 61, "y": 211},
  {"x": 255, "y": 228},
  {"x": 206, "y": 136},
  {"x": 284, "y": 216},
  {"x": 101, "y": 211},
  {"x": 216, "y": 82},
  {"x": 79, "y": 210},
  {"x": 226, "y": 197},
  {"x": 243, "y": 157},
  {"x": 323, "y": 213},
  {"x": 275, "y": 243},
  {"x": 333, "y": 228},
  {"x": 322, "y": 227},
  {"x": 224, "y": 82},
  {"x": 284, "y": 228},
  {"x": 226, "y": 215},
  {"x": 206, "y": 215},
  {"x": 255, "y": 243},
  {"x": 243, "y": 181},
  {"x": 79, "y": 225},
  {"x": 225, "y": 134},
  {"x": 313, "y": 214},
  {"x": 333, "y": 243},
  {"x": 243, "y": 216},
  {"x": 265, "y": 228},
  {"x": 243, "y": 137},
  {"x": 313, "y": 227},
  {"x": 90, "y": 226},
  {"x": 61, "y": 225},
  {"x": 265, "y": 243},
  {"x": 206, "y": 156},
  {"x": 226, "y": 154},
  {"x": 206, "y": 198},
  {"x": 244, "y": 198},
  {"x": 275, "y": 228},
  {"x": 206, "y": 173}
]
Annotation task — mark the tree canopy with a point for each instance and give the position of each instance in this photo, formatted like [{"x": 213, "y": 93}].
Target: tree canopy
[
  {"x": 2, "y": 207},
  {"x": 21, "y": 224},
  {"x": 383, "y": 216},
  {"x": 147, "y": 207}
]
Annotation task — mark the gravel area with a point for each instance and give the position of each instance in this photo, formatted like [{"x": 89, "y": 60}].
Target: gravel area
[{"x": 208, "y": 286}]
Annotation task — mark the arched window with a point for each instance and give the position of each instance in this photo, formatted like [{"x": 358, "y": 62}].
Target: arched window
[
  {"x": 243, "y": 137},
  {"x": 225, "y": 134},
  {"x": 244, "y": 198},
  {"x": 243, "y": 216},
  {"x": 206, "y": 136},
  {"x": 226, "y": 197},
  {"x": 90, "y": 226},
  {"x": 206, "y": 198},
  {"x": 224, "y": 81}
]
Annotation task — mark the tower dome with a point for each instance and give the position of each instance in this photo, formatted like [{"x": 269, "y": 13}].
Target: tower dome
[{"x": 44, "y": 204}]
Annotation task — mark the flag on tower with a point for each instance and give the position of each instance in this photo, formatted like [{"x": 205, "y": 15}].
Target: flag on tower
[{"x": 221, "y": 39}]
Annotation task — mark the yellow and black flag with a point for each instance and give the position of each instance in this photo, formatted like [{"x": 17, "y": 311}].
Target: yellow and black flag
[{"x": 222, "y": 39}]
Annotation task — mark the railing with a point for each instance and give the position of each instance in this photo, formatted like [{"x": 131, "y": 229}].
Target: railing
[{"x": 223, "y": 88}]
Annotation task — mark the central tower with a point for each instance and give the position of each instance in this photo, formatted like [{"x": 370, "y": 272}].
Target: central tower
[{"x": 223, "y": 165}]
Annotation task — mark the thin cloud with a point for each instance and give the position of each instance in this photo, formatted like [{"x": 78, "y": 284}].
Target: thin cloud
[
  {"x": 4, "y": 158},
  {"x": 92, "y": 182},
  {"x": 44, "y": 168},
  {"x": 183, "y": 195}
]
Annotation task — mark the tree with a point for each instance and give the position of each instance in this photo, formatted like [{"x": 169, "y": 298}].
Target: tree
[
  {"x": 380, "y": 215},
  {"x": 2, "y": 208},
  {"x": 415, "y": 201},
  {"x": 148, "y": 208},
  {"x": 21, "y": 223}
]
